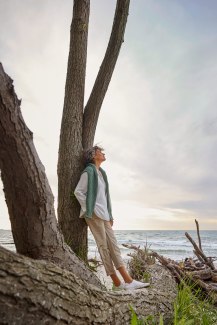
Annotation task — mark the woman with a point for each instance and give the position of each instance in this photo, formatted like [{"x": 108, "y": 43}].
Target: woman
[{"x": 92, "y": 192}]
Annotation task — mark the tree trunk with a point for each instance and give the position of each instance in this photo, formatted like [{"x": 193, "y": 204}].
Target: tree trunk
[
  {"x": 36, "y": 292},
  {"x": 78, "y": 129},
  {"x": 70, "y": 148},
  {"x": 27, "y": 192}
]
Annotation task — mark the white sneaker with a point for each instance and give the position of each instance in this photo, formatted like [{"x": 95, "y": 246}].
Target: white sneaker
[
  {"x": 136, "y": 285},
  {"x": 120, "y": 287}
]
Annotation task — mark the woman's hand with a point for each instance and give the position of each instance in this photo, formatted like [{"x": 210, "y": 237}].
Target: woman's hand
[{"x": 111, "y": 222}]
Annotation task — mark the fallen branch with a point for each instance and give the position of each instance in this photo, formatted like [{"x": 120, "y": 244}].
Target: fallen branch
[
  {"x": 198, "y": 234},
  {"x": 201, "y": 253},
  {"x": 199, "y": 271}
]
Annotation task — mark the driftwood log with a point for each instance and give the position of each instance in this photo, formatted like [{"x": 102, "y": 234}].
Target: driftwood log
[
  {"x": 199, "y": 271},
  {"x": 40, "y": 292}
]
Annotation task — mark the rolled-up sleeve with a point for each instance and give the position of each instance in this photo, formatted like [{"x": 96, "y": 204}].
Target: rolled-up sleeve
[{"x": 81, "y": 191}]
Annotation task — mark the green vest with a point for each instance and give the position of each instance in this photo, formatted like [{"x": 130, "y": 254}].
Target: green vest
[{"x": 92, "y": 187}]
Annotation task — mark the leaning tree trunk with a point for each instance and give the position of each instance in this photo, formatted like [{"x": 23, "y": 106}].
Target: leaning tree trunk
[
  {"x": 27, "y": 192},
  {"x": 78, "y": 128},
  {"x": 34, "y": 292}
]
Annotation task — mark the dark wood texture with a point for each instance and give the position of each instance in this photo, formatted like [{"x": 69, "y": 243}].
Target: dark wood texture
[{"x": 35, "y": 292}]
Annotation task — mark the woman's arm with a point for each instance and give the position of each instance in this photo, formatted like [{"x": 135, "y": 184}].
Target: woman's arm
[{"x": 81, "y": 190}]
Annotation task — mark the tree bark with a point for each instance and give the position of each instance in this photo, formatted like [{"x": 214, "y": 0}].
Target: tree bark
[
  {"x": 27, "y": 192},
  {"x": 36, "y": 292},
  {"x": 92, "y": 109},
  {"x": 78, "y": 129},
  {"x": 70, "y": 162}
]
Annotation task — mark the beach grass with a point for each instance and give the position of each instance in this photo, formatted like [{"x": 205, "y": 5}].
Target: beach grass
[{"x": 191, "y": 307}]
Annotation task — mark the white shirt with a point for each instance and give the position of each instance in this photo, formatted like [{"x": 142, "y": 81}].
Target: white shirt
[{"x": 100, "y": 209}]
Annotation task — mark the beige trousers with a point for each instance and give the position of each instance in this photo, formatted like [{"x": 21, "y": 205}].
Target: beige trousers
[{"x": 106, "y": 242}]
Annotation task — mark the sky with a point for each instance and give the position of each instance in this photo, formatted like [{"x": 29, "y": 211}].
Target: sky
[{"x": 158, "y": 122}]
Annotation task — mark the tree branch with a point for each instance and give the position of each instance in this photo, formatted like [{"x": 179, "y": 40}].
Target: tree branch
[
  {"x": 93, "y": 106},
  {"x": 198, "y": 234}
]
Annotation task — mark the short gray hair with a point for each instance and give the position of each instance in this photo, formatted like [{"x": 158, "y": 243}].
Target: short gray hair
[{"x": 90, "y": 153}]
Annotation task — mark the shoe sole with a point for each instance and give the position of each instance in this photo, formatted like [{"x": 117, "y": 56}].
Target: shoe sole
[{"x": 145, "y": 286}]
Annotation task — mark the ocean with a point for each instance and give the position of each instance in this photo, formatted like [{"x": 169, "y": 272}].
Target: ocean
[{"x": 169, "y": 243}]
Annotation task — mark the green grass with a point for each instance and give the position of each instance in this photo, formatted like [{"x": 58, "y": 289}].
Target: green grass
[
  {"x": 190, "y": 308},
  {"x": 193, "y": 308}
]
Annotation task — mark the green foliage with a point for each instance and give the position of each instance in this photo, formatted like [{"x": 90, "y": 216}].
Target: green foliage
[
  {"x": 82, "y": 252},
  {"x": 149, "y": 320},
  {"x": 68, "y": 241},
  {"x": 146, "y": 276},
  {"x": 93, "y": 265},
  {"x": 138, "y": 263},
  {"x": 161, "y": 321},
  {"x": 190, "y": 308},
  {"x": 134, "y": 319}
]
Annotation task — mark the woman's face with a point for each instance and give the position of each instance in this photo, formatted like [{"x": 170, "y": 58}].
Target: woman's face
[{"x": 99, "y": 156}]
